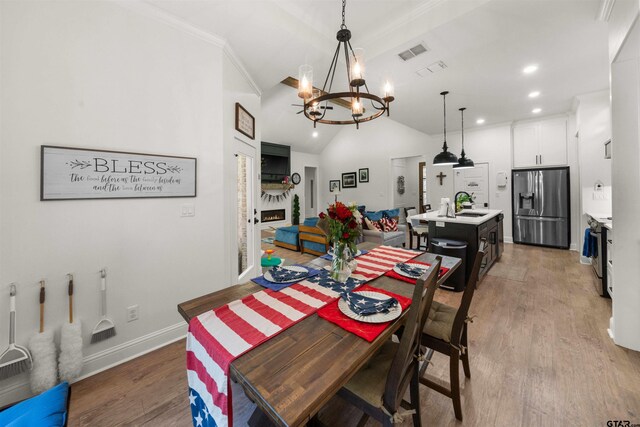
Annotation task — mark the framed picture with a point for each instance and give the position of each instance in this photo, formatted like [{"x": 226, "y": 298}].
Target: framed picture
[
  {"x": 334, "y": 186},
  {"x": 77, "y": 173},
  {"x": 349, "y": 180},
  {"x": 245, "y": 123},
  {"x": 363, "y": 175}
]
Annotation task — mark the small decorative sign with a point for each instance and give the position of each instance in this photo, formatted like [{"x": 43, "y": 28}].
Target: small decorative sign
[
  {"x": 77, "y": 173},
  {"x": 245, "y": 123}
]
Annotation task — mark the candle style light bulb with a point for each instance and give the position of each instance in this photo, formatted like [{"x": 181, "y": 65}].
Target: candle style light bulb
[
  {"x": 305, "y": 81},
  {"x": 356, "y": 107},
  {"x": 388, "y": 89}
]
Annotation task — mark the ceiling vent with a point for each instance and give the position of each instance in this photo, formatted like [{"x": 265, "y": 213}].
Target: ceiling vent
[
  {"x": 432, "y": 69},
  {"x": 413, "y": 52}
]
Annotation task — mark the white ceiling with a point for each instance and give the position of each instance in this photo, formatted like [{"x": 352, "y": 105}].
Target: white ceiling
[{"x": 485, "y": 45}]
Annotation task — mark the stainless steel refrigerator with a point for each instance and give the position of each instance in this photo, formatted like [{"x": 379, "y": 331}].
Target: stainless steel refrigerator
[{"x": 541, "y": 207}]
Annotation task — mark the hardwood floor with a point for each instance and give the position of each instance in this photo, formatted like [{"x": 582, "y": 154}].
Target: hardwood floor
[{"x": 539, "y": 352}]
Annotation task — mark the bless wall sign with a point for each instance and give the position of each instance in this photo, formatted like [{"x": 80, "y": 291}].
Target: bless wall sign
[{"x": 76, "y": 173}]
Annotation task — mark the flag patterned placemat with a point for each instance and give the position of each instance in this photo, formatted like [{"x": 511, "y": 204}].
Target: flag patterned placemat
[
  {"x": 368, "y": 331},
  {"x": 393, "y": 274},
  {"x": 218, "y": 337}
]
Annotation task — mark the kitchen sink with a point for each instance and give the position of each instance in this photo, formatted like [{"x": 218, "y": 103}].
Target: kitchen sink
[{"x": 471, "y": 214}]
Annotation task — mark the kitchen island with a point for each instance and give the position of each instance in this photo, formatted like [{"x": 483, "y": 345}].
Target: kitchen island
[{"x": 471, "y": 226}]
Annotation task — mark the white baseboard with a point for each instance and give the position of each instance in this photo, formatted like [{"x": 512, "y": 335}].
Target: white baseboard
[
  {"x": 573, "y": 247},
  {"x": 508, "y": 239},
  {"x": 585, "y": 260},
  {"x": 17, "y": 388}
]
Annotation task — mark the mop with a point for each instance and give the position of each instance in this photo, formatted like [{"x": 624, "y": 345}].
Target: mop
[
  {"x": 15, "y": 359},
  {"x": 105, "y": 327},
  {"x": 70, "y": 360},
  {"x": 44, "y": 374}
]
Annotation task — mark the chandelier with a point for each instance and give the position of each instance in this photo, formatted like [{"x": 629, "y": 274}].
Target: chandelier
[{"x": 315, "y": 100}]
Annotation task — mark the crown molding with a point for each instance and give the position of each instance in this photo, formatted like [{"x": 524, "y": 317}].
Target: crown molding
[
  {"x": 153, "y": 12},
  {"x": 237, "y": 62},
  {"x": 604, "y": 13}
]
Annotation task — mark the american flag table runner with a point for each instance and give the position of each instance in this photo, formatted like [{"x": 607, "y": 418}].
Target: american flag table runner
[{"x": 218, "y": 337}]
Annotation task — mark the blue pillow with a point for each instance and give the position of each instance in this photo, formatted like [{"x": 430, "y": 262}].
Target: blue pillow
[
  {"x": 391, "y": 213},
  {"x": 311, "y": 222},
  {"x": 373, "y": 216},
  {"x": 46, "y": 409}
]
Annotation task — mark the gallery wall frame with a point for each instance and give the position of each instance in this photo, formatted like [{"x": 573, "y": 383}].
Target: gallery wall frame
[
  {"x": 349, "y": 180},
  {"x": 334, "y": 186},
  {"x": 72, "y": 173},
  {"x": 245, "y": 122},
  {"x": 363, "y": 175}
]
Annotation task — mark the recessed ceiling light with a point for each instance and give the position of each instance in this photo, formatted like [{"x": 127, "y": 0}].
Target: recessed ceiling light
[
  {"x": 534, "y": 94},
  {"x": 530, "y": 69},
  {"x": 480, "y": 121},
  {"x": 314, "y": 134},
  {"x": 536, "y": 110}
]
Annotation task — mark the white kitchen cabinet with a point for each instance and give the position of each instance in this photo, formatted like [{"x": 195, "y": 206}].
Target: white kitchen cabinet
[{"x": 542, "y": 143}]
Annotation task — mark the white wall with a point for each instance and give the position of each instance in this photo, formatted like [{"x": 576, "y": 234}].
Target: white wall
[
  {"x": 372, "y": 146},
  {"x": 97, "y": 75},
  {"x": 625, "y": 112},
  {"x": 593, "y": 120},
  {"x": 490, "y": 145}
]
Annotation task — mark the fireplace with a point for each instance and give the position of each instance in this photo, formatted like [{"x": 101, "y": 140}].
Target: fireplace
[{"x": 272, "y": 215}]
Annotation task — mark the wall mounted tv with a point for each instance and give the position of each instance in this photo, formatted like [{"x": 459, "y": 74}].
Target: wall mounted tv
[{"x": 275, "y": 162}]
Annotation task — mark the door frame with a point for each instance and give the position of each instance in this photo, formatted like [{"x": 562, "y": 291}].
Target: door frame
[{"x": 253, "y": 245}]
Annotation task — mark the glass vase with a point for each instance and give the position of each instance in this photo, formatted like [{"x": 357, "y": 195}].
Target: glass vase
[{"x": 340, "y": 268}]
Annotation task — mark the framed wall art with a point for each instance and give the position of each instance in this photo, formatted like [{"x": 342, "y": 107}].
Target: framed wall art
[
  {"x": 349, "y": 180},
  {"x": 76, "y": 173},
  {"x": 245, "y": 122},
  {"x": 334, "y": 186},
  {"x": 363, "y": 175}
]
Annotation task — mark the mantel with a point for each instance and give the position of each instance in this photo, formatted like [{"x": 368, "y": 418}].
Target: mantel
[{"x": 276, "y": 186}]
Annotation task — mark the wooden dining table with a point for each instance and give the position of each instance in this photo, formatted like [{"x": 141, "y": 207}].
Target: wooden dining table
[{"x": 293, "y": 375}]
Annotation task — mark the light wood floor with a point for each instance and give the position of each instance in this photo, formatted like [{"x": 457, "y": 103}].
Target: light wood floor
[{"x": 539, "y": 349}]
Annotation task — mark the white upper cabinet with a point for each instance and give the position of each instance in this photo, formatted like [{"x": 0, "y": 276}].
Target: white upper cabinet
[{"x": 542, "y": 143}]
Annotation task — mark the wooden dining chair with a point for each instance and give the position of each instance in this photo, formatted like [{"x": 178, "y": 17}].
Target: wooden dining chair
[
  {"x": 421, "y": 232},
  {"x": 378, "y": 387},
  {"x": 446, "y": 333}
]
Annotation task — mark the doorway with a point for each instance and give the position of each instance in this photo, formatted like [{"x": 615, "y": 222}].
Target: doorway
[
  {"x": 407, "y": 188},
  {"x": 247, "y": 234},
  {"x": 310, "y": 192},
  {"x": 474, "y": 181}
]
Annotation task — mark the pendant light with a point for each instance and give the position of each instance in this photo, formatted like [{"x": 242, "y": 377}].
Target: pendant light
[
  {"x": 445, "y": 158},
  {"x": 464, "y": 162}
]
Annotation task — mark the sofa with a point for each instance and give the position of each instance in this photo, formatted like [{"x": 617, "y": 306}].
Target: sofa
[{"x": 388, "y": 238}]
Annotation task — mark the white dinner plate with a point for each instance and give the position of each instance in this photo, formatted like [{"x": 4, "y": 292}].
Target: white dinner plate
[
  {"x": 423, "y": 267},
  {"x": 393, "y": 314},
  {"x": 296, "y": 268}
]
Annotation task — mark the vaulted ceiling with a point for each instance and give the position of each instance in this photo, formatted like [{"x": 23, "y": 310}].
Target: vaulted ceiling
[{"x": 484, "y": 44}]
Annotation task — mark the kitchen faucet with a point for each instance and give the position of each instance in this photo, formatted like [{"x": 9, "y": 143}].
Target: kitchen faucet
[{"x": 455, "y": 199}]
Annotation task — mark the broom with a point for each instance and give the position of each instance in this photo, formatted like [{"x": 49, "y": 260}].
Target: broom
[
  {"x": 15, "y": 359},
  {"x": 105, "y": 327},
  {"x": 44, "y": 374},
  {"x": 70, "y": 361}
]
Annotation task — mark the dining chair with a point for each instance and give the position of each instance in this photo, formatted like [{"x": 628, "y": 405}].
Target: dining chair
[
  {"x": 420, "y": 232},
  {"x": 378, "y": 387},
  {"x": 446, "y": 333}
]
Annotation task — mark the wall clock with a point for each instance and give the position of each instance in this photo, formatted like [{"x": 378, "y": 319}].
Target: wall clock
[{"x": 295, "y": 178}]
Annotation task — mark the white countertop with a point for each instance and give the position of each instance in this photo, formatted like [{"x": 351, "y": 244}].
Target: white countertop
[
  {"x": 602, "y": 218},
  {"x": 433, "y": 216}
]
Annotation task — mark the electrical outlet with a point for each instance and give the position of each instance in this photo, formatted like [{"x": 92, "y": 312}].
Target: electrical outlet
[
  {"x": 133, "y": 313},
  {"x": 188, "y": 209}
]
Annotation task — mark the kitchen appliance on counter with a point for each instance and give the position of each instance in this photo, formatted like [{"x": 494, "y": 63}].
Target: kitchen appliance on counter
[{"x": 541, "y": 213}]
